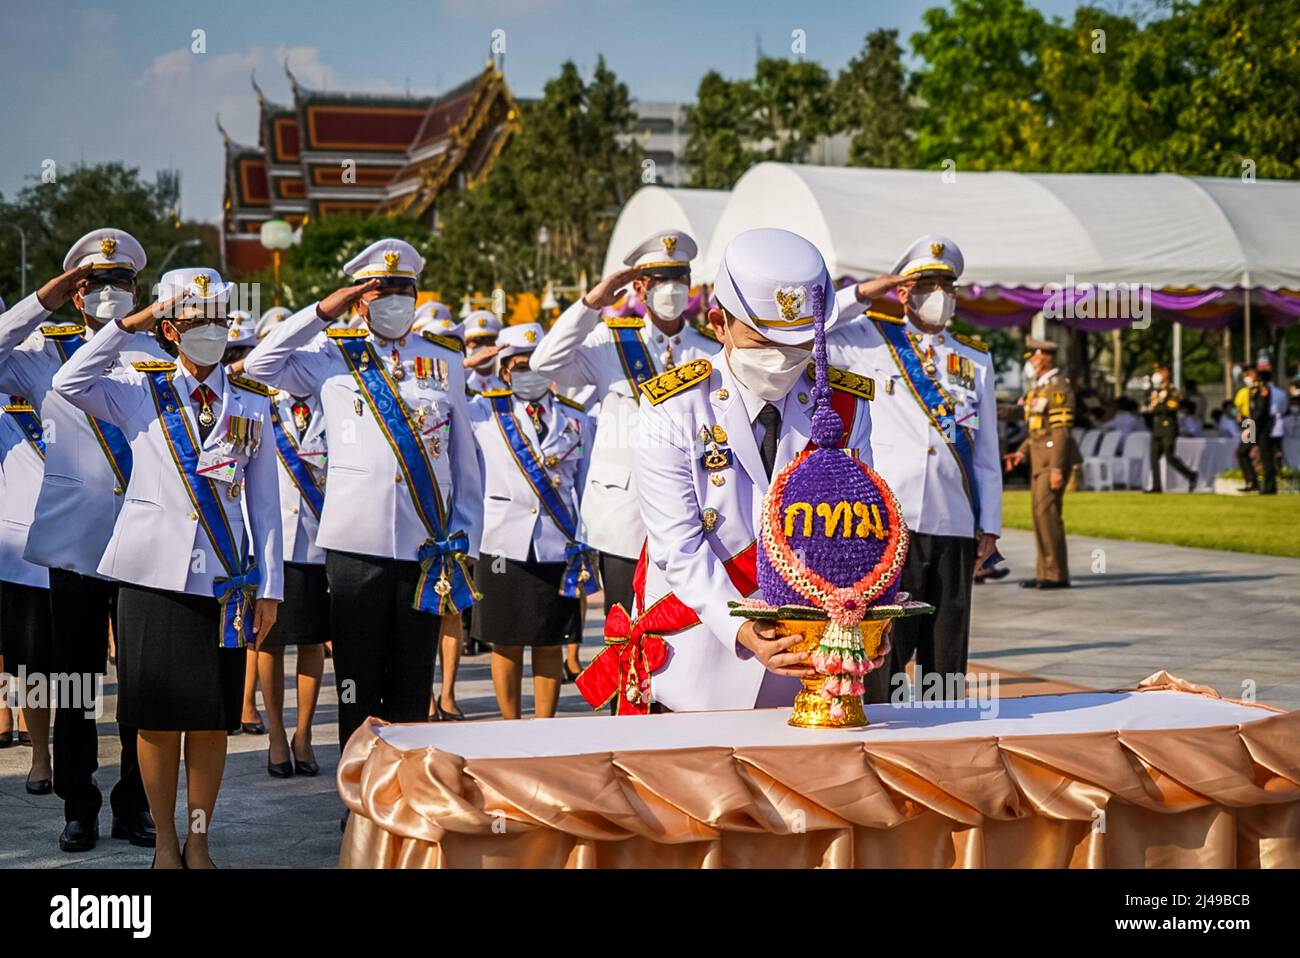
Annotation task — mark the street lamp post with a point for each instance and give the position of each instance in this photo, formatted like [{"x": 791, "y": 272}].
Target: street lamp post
[{"x": 277, "y": 236}]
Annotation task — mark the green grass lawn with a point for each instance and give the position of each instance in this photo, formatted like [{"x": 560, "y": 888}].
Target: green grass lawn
[{"x": 1264, "y": 524}]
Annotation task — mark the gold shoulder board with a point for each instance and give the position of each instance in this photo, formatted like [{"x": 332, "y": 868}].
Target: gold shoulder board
[
  {"x": 58, "y": 332},
  {"x": 624, "y": 322},
  {"x": 252, "y": 385},
  {"x": 19, "y": 407},
  {"x": 345, "y": 332},
  {"x": 571, "y": 403},
  {"x": 154, "y": 366},
  {"x": 864, "y": 387},
  {"x": 972, "y": 342},
  {"x": 676, "y": 380},
  {"x": 493, "y": 393},
  {"x": 446, "y": 342}
]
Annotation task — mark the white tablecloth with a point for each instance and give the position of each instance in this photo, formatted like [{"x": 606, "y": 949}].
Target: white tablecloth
[
  {"x": 1031, "y": 715},
  {"x": 1208, "y": 456}
]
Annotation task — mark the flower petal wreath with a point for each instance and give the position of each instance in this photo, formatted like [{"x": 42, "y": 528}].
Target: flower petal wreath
[{"x": 845, "y": 605}]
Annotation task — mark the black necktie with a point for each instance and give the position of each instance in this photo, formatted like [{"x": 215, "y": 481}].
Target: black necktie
[{"x": 770, "y": 419}]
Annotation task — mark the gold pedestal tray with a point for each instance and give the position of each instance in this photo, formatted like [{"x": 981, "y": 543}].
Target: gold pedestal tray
[{"x": 811, "y": 708}]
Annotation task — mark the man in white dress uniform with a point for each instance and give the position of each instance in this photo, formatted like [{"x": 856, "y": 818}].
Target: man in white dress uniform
[
  {"x": 935, "y": 442},
  {"x": 403, "y": 503},
  {"x": 713, "y": 433},
  {"x": 87, "y": 466},
  {"x": 616, "y": 356}
]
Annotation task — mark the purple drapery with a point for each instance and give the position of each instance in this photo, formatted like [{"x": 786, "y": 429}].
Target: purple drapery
[{"x": 1288, "y": 305}]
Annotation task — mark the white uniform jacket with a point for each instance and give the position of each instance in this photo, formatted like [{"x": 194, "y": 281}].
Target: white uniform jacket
[
  {"x": 367, "y": 506},
  {"x": 910, "y": 451},
  {"x": 80, "y": 495},
  {"x": 579, "y": 350},
  {"x": 21, "y": 467},
  {"x": 513, "y": 514},
  {"x": 158, "y": 540},
  {"x": 300, "y": 522},
  {"x": 687, "y": 549}
]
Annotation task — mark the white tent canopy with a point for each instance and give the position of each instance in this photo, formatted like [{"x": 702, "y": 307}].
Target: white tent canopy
[
  {"x": 655, "y": 208},
  {"x": 1015, "y": 229}
]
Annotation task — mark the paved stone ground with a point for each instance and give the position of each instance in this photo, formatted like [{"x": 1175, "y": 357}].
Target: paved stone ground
[{"x": 1214, "y": 617}]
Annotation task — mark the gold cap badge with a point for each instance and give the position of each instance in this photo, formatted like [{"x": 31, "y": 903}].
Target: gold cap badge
[
  {"x": 391, "y": 259},
  {"x": 530, "y": 335},
  {"x": 936, "y": 250},
  {"x": 790, "y": 300},
  {"x": 108, "y": 246},
  {"x": 670, "y": 244},
  {"x": 201, "y": 283}
]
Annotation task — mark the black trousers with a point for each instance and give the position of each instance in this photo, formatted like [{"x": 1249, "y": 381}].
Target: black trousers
[
  {"x": 939, "y": 571},
  {"x": 1267, "y": 461},
  {"x": 1162, "y": 447},
  {"x": 616, "y": 581},
  {"x": 81, "y": 608},
  {"x": 383, "y": 648}
]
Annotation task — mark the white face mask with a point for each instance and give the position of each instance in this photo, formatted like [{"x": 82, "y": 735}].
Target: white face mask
[
  {"x": 1158, "y": 380},
  {"x": 528, "y": 385},
  {"x": 1028, "y": 372},
  {"x": 769, "y": 372},
  {"x": 668, "y": 300},
  {"x": 205, "y": 344},
  {"x": 107, "y": 303},
  {"x": 935, "y": 307},
  {"x": 391, "y": 316}
]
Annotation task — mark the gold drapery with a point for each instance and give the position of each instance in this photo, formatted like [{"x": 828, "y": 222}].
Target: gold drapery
[{"x": 1221, "y": 796}]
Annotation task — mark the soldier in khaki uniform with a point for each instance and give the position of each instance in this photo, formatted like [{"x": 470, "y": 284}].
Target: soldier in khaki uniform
[
  {"x": 1163, "y": 403},
  {"x": 1049, "y": 411}
]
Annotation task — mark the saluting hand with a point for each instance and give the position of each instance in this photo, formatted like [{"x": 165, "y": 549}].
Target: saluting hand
[
  {"x": 58, "y": 291},
  {"x": 870, "y": 289},
  {"x": 605, "y": 293},
  {"x": 265, "y": 612},
  {"x": 770, "y": 648},
  {"x": 482, "y": 356},
  {"x": 339, "y": 302},
  {"x": 146, "y": 318}
]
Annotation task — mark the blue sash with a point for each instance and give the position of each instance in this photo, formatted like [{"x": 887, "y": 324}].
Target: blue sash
[
  {"x": 30, "y": 423},
  {"x": 444, "y": 586},
  {"x": 936, "y": 404},
  {"x": 237, "y": 589},
  {"x": 580, "y": 564},
  {"x": 638, "y": 367},
  {"x": 111, "y": 440},
  {"x": 298, "y": 470}
]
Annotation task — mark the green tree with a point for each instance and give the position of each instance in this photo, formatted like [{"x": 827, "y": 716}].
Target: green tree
[
  {"x": 718, "y": 149},
  {"x": 983, "y": 105},
  {"x": 54, "y": 215},
  {"x": 791, "y": 107},
  {"x": 872, "y": 99}
]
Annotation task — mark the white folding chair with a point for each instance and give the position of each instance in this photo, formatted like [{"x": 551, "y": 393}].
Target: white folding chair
[
  {"x": 1099, "y": 470},
  {"x": 1137, "y": 459},
  {"x": 1088, "y": 444}
]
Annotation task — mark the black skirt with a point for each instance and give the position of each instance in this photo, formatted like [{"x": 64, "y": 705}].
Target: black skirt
[
  {"x": 25, "y": 629},
  {"x": 521, "y": 603},
  {"x": 172, "y": 673},
  {"x": 304, "y": 615}
]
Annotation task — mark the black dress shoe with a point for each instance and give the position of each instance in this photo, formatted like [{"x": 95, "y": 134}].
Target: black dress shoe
[
  {"x": 79, "y": 836},
  {"x": 1191, "y": 483},
  {"x": 442, "y": 715},
  {"x": 570, "y": 676},
  {"x": 279, "y": 769},
  {"x": 1049, "y": 584},
  {"x": 1029, "y": 583},
  {"x": 6, "y": 739},
  {"x": 25, "y": 738},
  {"x": 308, "y": 768},
  {"x": 40, "y": 786},
  {"x": 136, "y": 828},
  {"x": 252, "y": 728}
]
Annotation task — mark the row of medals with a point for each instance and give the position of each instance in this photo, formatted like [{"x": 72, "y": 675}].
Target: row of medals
[
  {"x": 427, "y": 372},
  {"x": 716, "y": 460},
  {"x": 244, "y": 435}
]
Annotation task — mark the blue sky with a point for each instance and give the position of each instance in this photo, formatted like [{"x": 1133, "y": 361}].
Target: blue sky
[{"x": 95, "y": 81}]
